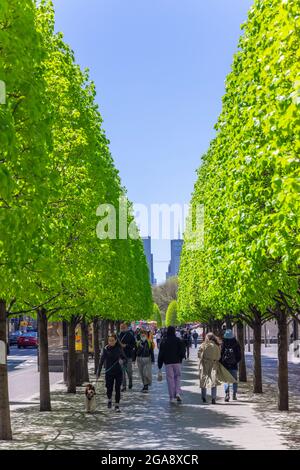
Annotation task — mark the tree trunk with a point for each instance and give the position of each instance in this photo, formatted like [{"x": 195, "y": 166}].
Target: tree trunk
[
  {"x": 96, "y": 330},
  {"x": 5, "y": 426},
  {"x": 105, "y": 331},
  {"x": 248, "y": 339},
  {"x": 7, "y": 336},
  {"x": 45, "y": 400},
  {"x": 283, "y": 387},
  {"x": 118, "y": 324},
  {"x": 85, "y": 350},
  {"x": 257, "y": 374},
  {"x": 111, "y": 327},
  {"x": 71, "y": 388},
  {"x": 242, "y": 364},
  {"x": 217, "y": 328}
]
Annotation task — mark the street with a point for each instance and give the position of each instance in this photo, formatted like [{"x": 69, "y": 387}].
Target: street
[
  {"x": 270, "y": 371},
  {"x": 23, "y": 376}
]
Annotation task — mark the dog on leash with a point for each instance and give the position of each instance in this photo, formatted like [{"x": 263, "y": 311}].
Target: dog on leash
[{"x": 90, "y": 398}]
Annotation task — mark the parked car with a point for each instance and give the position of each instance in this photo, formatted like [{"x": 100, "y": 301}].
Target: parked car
[
  {"x": 13, "y": 337},
  {"x": 28, "y": 340}
]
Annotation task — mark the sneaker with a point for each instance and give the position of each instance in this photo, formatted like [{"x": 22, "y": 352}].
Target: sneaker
[
  {"x": 227, "y": 397},
  {"x": 213, "y": 401},
  {"x": 203, "y": 400},
  {"x": 234, "y": 397},
  {"x": 145, "y": 389},
  {"x": 117, "y": 408},
  {"x": 179, "y": 399},
  {"x": 173, "y": 401},
  {"x": 123, "y": 389},
  {"x": 109, "y": 404}
]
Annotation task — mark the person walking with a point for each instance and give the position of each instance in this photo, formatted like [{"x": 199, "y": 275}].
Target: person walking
[
  {"x": 158, "y": 338},
  {"x": 195, "y": 338},
  {"x": 114, "y": 359},
  {"x": 211, "y": 372},
  {"x": 128, "y": 343},
  {"x": 187, "y": 338},
  {"x": 145, "y": 359},
  {"x": 230, "y": 357},
  {"x": 171, "y": 353}
]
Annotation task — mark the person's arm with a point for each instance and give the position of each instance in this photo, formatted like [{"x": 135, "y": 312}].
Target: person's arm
[
  {"x": 160, "y": 359},
  {"x": 218, "y": 353},
  {"x": 238, "y": 352},
  {"x": 222, "y": 351},
  {"x": 123, "y": 355},
  {"x": 152, "y": 353},
  {"x": 200, "y": 353},
  {"x": 101, "y": 362},
  {"x": 182, "y": 349}
]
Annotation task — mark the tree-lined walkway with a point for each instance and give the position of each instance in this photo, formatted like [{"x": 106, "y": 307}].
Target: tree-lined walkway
[{"x": 146, "y": 421}]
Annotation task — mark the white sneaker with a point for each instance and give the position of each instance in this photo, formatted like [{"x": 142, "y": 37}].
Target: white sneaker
[{"x": 173, "y": 400}]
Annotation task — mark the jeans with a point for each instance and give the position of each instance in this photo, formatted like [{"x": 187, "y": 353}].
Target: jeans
[
  {"x": 173, "y": 374},
  {"x": 112, "y": 380},
  {"x": 127, "y": 371},
  {"x": 233, "y": 372},
  {"x": 195, "y": 342},
  {"x": 145, "y": 369},
  {"x": 213, "y": 393}
]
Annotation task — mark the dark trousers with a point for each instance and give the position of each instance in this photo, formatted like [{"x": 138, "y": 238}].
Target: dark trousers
[{"x": 111, "y": 381}]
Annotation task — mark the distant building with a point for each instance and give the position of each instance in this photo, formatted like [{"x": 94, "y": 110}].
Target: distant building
[
  {"x": 176, "y": 248},
  {"x": 149, "y": 257}
]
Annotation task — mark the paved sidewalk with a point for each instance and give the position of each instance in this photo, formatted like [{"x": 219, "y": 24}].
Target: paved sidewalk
[{"x": 146, "y": 421}]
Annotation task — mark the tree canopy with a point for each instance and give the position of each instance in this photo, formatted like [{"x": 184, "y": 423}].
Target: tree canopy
[{"x": 249, "y": 179}]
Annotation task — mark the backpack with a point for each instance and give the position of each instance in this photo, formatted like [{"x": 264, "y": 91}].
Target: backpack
[{"x": 228, "y": 357}]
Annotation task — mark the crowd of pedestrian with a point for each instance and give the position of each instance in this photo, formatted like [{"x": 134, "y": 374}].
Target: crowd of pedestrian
[{"x": 218, "y": 361}]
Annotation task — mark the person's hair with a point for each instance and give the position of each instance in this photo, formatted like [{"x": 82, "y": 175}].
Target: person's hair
[
  {"x": 212, "y": 337},
  {"x": 171, "y": 331},
  {"x": 113, "y": 335}
]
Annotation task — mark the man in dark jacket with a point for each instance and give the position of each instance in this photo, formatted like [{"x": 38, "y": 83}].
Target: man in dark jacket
[
  {"x": 128, "y": 343},
  {"x": 230, "y": 357},
  {"x": 171, "y": 353},
  {"x": 195, "y": 338}
]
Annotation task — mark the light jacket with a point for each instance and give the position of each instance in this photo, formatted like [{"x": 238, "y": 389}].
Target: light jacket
[{"x": 211, "y": 371}]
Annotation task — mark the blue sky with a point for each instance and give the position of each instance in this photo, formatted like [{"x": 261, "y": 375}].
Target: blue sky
[{"x": 159, "y": 67}]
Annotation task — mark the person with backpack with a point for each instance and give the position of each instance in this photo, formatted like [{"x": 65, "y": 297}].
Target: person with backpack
[
  {"x": 211, "y": 372},
  {"x": 171, "y": 353},
  {"x": 145, "y": 359},
  {"x": 230, "y": 357},
  {"x": 195, "y": 338},
  {"x": 114, "y": 360},
  {"x": 128, "y": 343}
]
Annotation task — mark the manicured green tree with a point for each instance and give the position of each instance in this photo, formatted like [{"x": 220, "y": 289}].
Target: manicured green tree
[
  {"x": 56, "y": 168},
  {"x": 25, "y": 139},
  {"x": 248, "y": 183},
  {"x": 156, "y": 315},
  {"x": 171, "y": 315}
]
